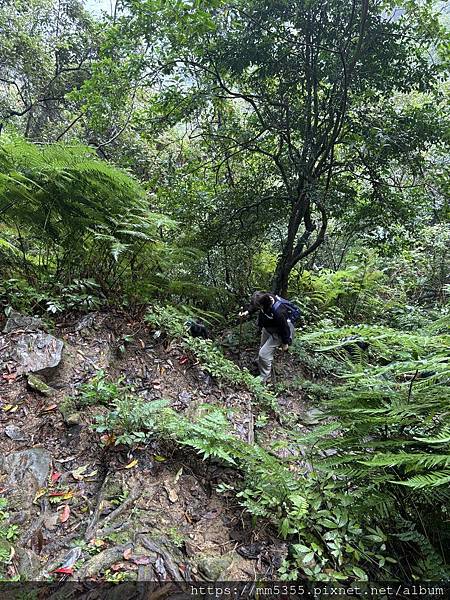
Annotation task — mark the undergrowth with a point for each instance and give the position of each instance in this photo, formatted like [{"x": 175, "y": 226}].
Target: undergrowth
[
  {"x": 326, "y": 540},
  {"x": 389, "y": 435},
  {"x": 371, "y": 495},
  {"x": 8, "y": 534},
  {"x": 173, "y": 322}
]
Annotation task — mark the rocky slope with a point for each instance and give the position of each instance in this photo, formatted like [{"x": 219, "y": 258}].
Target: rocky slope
[{"x": 75, "y": 508}]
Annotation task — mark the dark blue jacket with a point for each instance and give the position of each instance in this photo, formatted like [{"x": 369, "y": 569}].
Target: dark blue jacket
[{"x": 274, "y": 322}]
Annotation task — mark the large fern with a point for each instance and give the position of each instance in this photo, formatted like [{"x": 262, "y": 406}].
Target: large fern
[
  {"x": 79, "y": 216},
  {"x": 388, "y": 435}
]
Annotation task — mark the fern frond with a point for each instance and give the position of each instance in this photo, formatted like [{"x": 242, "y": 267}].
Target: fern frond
[{"x": 426, "y": 480}]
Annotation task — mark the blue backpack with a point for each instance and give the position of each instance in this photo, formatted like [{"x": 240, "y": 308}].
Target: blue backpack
[{"x": 292, "y": 310}]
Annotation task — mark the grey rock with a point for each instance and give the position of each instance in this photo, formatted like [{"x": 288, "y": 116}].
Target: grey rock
[
  {"x": 28, "y": 563},
  {"x": 184, "y": 399},
  {"x": 28, "y": 469},
  {"x": 14, "y": 433},
  {"x": 51, "y": 521},
  {"x": 37, "y": 352},
  {"x": 16, "y": 321},
  {"x": 214, "y": 568}
]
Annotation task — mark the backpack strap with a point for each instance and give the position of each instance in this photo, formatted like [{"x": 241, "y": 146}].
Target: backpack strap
[{"x": 277, "y": 304}]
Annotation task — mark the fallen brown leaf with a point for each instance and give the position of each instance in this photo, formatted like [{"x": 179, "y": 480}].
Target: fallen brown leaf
[
  {"x": 127, "y": 553},
  {"x": 107, "y": 439},
  {"x": 65, "y": 513},
  {"x": 141, "y": 560},
  {"x": 9, "y": 376}
]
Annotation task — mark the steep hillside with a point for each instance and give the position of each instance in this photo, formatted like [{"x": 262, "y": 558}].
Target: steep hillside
[{"x": 70, "y": 492}]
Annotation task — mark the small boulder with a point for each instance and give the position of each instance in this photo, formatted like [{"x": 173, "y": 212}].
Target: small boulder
[
  {"x": 68, "y": 410},
  {"x": 28, "y": 470},
  {"x": 37, "y": 353},
  {"x": 29, "y": 563},
  {"x": 16, "y": 322},
  {"x": 214, "y": 568},
  {"x": 14, "y": 433}
]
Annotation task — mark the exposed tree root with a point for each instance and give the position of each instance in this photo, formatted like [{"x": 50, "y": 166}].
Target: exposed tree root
[{"x": 102, "y": 560}]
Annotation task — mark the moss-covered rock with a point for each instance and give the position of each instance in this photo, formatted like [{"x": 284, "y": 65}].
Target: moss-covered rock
[
  {"x": 36, "y": 384},
  {"x": 112, "y": 488},
  {"x": 214, "y": 568},
  {"x": 68, "y": 409}
]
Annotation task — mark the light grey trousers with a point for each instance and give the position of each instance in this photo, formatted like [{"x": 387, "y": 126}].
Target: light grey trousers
[{"x": 269, "y": 343}]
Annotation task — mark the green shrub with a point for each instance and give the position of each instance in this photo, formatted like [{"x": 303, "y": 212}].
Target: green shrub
[
  {"x": 327, "y": 541},
  {"x": 8, "y": 534},
  {"x": 49, "y": 297},
  {"x": 99, "y": 390},
  {"x": 390, "y": 435},
  {"x": 210, "y": 355}
]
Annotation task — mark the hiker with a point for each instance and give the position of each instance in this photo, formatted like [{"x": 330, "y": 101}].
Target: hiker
[{"x": 276, "y": 320}]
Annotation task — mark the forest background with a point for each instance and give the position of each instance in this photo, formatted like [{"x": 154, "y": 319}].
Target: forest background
[{"x": 182, "y": 154}]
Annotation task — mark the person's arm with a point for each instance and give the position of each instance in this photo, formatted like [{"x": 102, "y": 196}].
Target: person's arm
[
  {"x": 251, "y": 308},
  {"x": 283, "y": 328}
]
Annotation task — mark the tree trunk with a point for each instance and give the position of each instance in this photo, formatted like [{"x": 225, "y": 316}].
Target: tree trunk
[
  {"x": 296, "y": 247},
  {"x": 281, "y": 279},
  {"x": 284, "y": 265}
]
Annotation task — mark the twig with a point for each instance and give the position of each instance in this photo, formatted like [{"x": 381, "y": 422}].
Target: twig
[
  {"x": 251, "y": 423},
  {"x": 63, "y": 133},
  {"x": 411, "y": 384}
]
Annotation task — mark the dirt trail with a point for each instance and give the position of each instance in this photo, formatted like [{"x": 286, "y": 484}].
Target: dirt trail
[{"x": 164, "y": 507}]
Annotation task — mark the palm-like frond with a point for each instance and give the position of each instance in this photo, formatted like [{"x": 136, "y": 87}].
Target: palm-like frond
[{"x": 86, "y": 217}]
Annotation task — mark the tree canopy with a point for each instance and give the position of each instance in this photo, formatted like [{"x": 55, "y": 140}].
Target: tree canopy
[{"x": 161, "y": 163}]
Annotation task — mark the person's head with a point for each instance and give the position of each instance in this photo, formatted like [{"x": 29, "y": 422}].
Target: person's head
[{"x": 265, "y": 302}]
